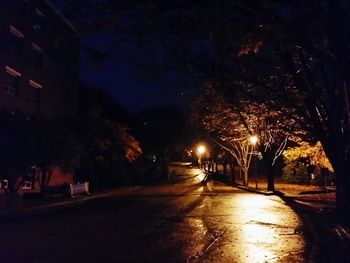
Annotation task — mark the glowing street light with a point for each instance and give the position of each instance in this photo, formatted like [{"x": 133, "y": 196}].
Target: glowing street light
[
  {"x": 253, "y": 139},
  {"x": 201, "y": 149}
]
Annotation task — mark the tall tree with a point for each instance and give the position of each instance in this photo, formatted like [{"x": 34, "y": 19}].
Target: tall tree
[
  {"x": 104, "y": 133},
  {"x": 282, "y": 52},
  {"x": 286, "y": 53},
  {"x": 162, "y": 132},
  {"x": 233, "y": 124}
]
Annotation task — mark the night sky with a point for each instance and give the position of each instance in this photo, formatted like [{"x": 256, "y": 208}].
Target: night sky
[
  {"x": 120, "y": 79},
  {"x": 119, "y": 76},
  {"x": 121, "y": 82}
]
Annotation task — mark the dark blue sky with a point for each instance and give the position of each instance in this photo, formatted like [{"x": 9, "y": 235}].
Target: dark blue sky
[{"x": 120, "y": 79}]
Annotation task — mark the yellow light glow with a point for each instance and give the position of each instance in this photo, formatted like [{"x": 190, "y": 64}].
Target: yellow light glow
[
  {"x": 263, "y": 225},
  {"x": 201, "y": 149},
  {"x": 253, "y": 139}
]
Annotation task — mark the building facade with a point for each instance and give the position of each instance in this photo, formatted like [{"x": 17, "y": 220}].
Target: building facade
[{"x": 39, "y": 59}]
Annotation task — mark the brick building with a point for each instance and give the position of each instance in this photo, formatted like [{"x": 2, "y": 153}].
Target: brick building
[{"x": 39, "y": 59}]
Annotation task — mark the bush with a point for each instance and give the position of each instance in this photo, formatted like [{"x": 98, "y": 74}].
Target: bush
[{"x": 295, "y": 171}]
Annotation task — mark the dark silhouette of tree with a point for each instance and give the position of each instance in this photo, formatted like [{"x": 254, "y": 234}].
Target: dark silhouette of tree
[
  {"x": 92, "y": 98},
  {"x": 108, "y": 145},
  {"x": 93, "y": 144},
  {"x": 163, "y": 133}
]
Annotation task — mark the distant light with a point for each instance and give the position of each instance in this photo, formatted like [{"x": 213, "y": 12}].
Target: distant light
[
  {"x": 201, "y": 149},
  {"x": 253, "y": 139}
]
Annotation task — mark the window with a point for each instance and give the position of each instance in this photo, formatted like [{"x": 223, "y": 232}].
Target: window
[
  {"x": 38, "y": 22},
  {"x": 38, "y": 12},
  {"x": 4, "y": 184},
  {"x": 38, "y": 25},
  {"x": 35, "y": 90},
  {"x": 16, "y": 41},
  {"x": 26, "y": 185},
  {"x": 38, "y": 57},
  {"x": 12, "y": 82}
]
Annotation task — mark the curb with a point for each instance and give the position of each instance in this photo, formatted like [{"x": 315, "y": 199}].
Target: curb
[
  {"x": 28, "y": 212},
  {"x": 267, "y": 193}
]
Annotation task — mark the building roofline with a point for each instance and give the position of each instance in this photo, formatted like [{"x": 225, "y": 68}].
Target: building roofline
[{"x": 52, "y": 6}]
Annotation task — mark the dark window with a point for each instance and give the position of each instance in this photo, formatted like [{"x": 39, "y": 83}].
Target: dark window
[
  {"x": 16, "y": 40},
  {"x": 16, "y": 44},
  {"x": 12, "y": 82},
  {"x": 38, "y": 57},
  {"x": 39, "y": 60},
  {"x": 37, "y": 25},
  {"x": 39, "y": 21},
  {"x": 35, "y": 91},
  {"x": 35, "y": 95}
]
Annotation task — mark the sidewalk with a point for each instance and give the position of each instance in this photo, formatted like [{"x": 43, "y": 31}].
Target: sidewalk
[
  {"x": 28, "y": 206},
  {"x": 316, "y": 205},
  {"x": 331, "y": 241}
]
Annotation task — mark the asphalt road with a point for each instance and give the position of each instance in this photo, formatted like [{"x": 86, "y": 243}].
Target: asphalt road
[{"x": 181, "y": 221}]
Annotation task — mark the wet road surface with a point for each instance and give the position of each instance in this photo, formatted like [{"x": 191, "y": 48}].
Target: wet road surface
[{"x": 182, "y": 221}]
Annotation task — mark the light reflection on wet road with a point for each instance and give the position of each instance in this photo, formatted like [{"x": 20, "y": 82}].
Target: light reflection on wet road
[
  {"x": 241, "y": 227},
  {"x": 179, "y": 222}
]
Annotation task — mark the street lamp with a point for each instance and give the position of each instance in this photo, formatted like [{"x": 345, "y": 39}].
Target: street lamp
[
  {"x": 201, "y": 149},
  {"x": 253, "y": 141}
]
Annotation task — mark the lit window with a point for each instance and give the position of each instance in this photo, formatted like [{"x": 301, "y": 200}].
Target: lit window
[
  {"x": 37, "y": 26},
  {"x": 12, "y": 82},
  {"x": 26, "y": 185},
  {"x": 16, "y": 32},
  {"x": 39, "y": 56},
  {"x": 4, "y": 184},
  {"x": 16, "y": 40},
  {"x": 38, "y": 12},
  {"x": 34, "y": 84}
]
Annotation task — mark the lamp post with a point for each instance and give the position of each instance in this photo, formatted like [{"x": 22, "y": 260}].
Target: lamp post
[
  {"x": 253, "y": 141},
  {"x": 201, "y": 149}
]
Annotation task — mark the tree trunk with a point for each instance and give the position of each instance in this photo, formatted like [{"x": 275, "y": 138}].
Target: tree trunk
[
  {"x": 224, "y": 168},
  {"x": 46, "y": 174},
  {"x": 268, "y": 160},
  {"x": 43, "y": 181},
  {"x": 232, "y": 167},
  {"x": 93, "y": 183},
  {"x": 336, "y": 151},
  {"x": 342, "y": 174},
  {"x": 164, "y": 167},
  {"x": 245, "y": 177},
  {"x": 271, "y": 178}
]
